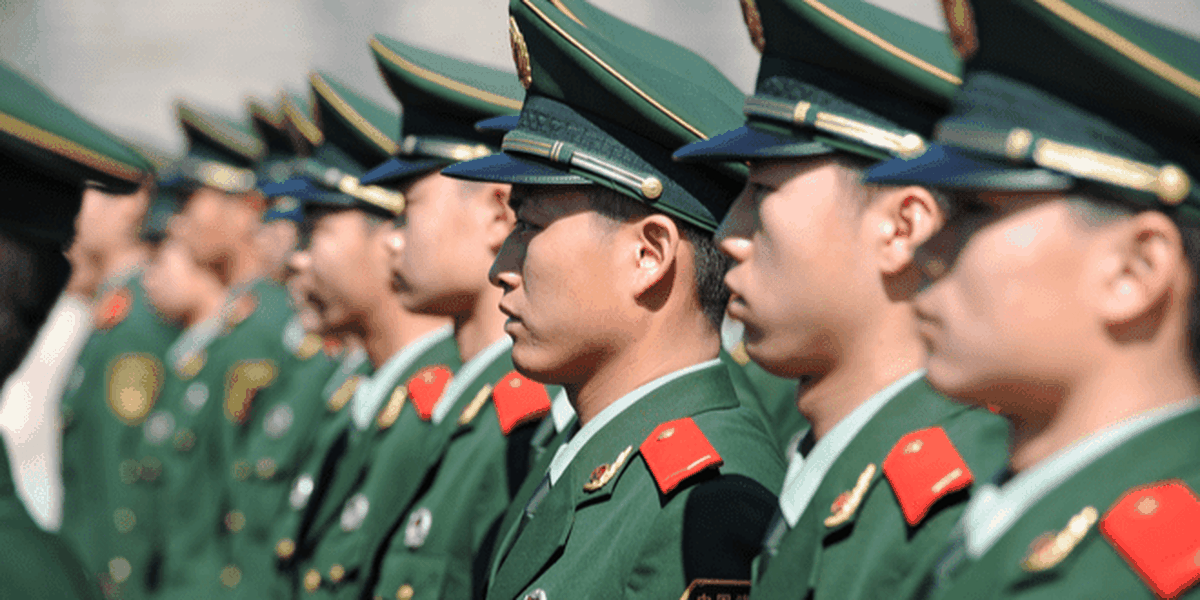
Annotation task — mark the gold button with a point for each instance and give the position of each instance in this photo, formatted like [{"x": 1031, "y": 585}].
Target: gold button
[
  {"x": 119, "y": 569},
  {"x": 336, "y": 573},
  {"x": 652, "y": 188},
  {"x": 241, "y": 469},
  {"x": 265, "y": 468},
  {"x": 231, "y": 576},
  {"x": 405, "y": 592},
  {"x": 124, "y": 519},
  {"x": 235, "y": 520},
  {"x": 130, "y": 471},
  {"x": 285, "y": 548},
  {"x": 312, "y": 580}
]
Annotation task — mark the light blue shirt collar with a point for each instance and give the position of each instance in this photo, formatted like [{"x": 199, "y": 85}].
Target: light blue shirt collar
[
  {"x": 561, "y": 411},
  {"x": 372, "y": 390},
  {"x": 355, "y": 357},
  {"x": 566, "y": 452},
  {"x": 993, "y": 510},
  {"x": 467, "y": 375},
  {"x": 805, "y": 474},
  {"x": 194, "y": 340}
]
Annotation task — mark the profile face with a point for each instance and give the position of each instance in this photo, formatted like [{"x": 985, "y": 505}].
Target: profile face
[
  {"x": 171, "y": 281},
  {"x": 202, "y": 225},
  {"x": 345, "y": 269},
  {"x": 438, "y": 260},
  {"x": 106, "y": 221},
  {"x": 560, "y": 270},
  {"x": 1007, "y": 307},
  {"x": 799, "y": 262}
]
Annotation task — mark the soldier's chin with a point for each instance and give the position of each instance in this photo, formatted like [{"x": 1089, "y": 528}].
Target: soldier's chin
[{"x": 537, "y": 364}]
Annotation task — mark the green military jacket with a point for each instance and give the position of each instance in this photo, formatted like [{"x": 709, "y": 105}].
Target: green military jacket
[
  {"x": 268, "y": 451},
  {"x": 363, "y": 479},
  {"x": 675, "y": 488},
  {"x": 215, "y": 378},
  {"x": 478, "y": 460},
  {"x": 855, "y": 540},
  {"x": 331, "y": 432},
  {"x": 108, "y": 484},
  {"x": 774, "y": 398},
  {"x": 1126, "y": 526},
  {"x": 33, "y": 563}
]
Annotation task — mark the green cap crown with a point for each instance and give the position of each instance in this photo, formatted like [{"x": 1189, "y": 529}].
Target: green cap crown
[
  {"x": 1117, "y": 110},
  {"x": 838, "y": 75},
  {"x": 358, "y": 130},
  {"x": 37, "y": 128},
  {"x": 443, "y": 97},
  {"x": 222, "y": 152},
  {"x": 300, "y": 121},
  {"x": 606, "y": 104}
]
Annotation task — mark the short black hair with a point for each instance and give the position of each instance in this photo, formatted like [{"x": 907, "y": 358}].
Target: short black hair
[
  {"x": 711, "y": 264},
  {"x": 1097, "y": 209}
]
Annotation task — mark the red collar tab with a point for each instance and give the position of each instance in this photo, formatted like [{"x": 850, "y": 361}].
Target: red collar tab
[
  {"x": 426, "y": 387},
  {"x": 113, "y": 309},
  {"x": 1156, "y": 529},
  {"x": 675, "y": 451},
  {"x": 518, "y": 400},
  {"x": 924, "y": 467}
]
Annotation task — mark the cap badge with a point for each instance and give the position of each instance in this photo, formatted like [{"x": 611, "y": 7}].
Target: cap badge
[
  {"x": 520, "y": 53},
  {"x": 960, "y": 20},
  {"x": 754, "y": 24}
]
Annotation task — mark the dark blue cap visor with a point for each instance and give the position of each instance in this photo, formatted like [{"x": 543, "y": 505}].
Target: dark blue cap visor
[
  {"x": 953, "y": 168},
  {"x": 507, "y": 168},
  {"x": 396, "y": 170},
  {"x": 501, "y": 124},
  {"x": 307, "y": 192},
  {"x": 750, "y": 143}
]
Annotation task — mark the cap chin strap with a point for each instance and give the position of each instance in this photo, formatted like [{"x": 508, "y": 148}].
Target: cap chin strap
[
  {"x": 904, "y": 144},
  {"x": 519, "y": 142}
]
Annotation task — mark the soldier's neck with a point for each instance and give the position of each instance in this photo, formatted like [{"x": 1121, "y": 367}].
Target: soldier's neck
[
  {"x": 390, "y": 328},
  {"x": 123, "y": 260},
  {"x": 481, "y": 326},
  {"x": 209, "y": 302},
  {"x": 1108, "y": 393},
  {"x": 858, "y": 366},
  {"x": 662, "y": 348}
]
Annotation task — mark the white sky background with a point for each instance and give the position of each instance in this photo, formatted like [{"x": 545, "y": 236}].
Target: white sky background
[{"x": 123, "y": 62}]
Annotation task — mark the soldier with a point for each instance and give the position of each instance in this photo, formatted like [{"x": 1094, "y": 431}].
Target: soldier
[
  {"x": 279, "y": 234},
  {"x": 347, "y": 267},
  {"x": 472, "y": 449},
  {"x": 47, "y": 154},
  {"x": 1063, "y": 292},
  {"x": 613, "y": 289},
  {"x": 823, "y": 281}
]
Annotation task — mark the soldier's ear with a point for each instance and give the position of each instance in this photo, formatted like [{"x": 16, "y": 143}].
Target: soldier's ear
[
  {"x": 657, "y": 243},
  {"x": 1142, "y": 275},
  {"x": 901, "y": 219}
]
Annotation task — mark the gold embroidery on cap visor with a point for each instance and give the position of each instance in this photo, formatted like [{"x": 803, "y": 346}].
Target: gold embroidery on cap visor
[
  {"x": 754, "y": 24},
  {"x": 392, "y": 202},
  {"x": 647, "y": 186},
  {"x": 900, "y": 143},
  {"x": 1169, "y": 182},
  {"x": 449, "y": 150},
  {"x": 228, "y": 179}
]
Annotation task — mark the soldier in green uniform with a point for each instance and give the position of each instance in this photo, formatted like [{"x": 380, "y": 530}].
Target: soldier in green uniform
[
  {"x": 613, "y": 289},
  {"x": 823, "y": 281},
  {"x": 347, "y": 267},
  {"x": 1063, "y": 292},
  {"x": 279, "y": 234},
  {"x": 47, "y": 156}
]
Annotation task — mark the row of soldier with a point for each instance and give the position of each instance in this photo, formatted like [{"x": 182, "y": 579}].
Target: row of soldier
[{"x": 541, "y": 336}]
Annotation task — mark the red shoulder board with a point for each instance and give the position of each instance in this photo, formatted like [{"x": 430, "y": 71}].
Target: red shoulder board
[
  {"x": 519, "y": 400},
  {"x": 924, "y": 467},
  {"x": 677, "y": 450},
  {"x": 113, "y": 309},
  {"x": 426, "y": 387},
  {"x": 1157, "y": 530}
]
